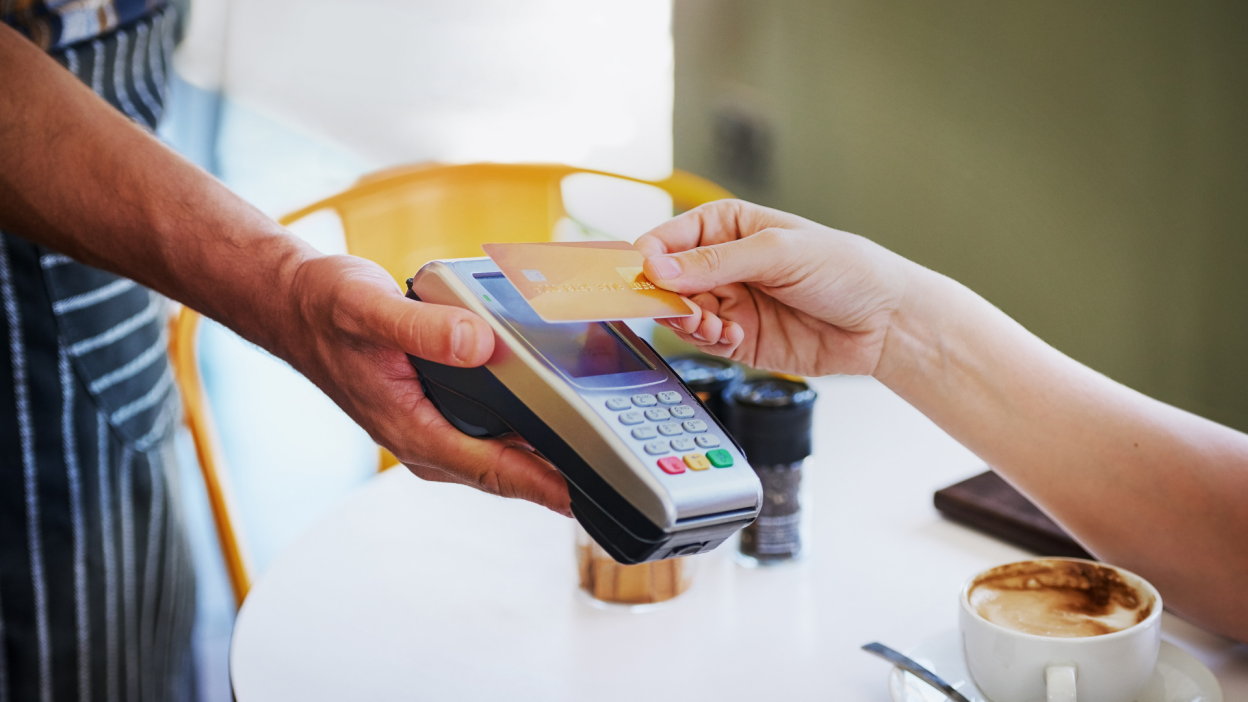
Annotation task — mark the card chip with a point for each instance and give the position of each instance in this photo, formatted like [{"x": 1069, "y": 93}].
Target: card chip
[{"x": 533, "y": 275}]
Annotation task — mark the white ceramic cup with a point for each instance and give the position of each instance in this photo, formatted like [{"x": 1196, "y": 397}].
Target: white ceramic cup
[{"x": 1011, "y": 666}]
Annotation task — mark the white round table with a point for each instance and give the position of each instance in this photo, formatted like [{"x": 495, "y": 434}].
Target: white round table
[{"x": 423, "y": 591}]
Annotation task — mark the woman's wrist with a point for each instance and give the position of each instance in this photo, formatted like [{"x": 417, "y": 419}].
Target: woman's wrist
[{"x": 913, "y": 344}]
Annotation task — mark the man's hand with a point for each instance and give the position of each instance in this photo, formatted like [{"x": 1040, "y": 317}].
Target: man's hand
[
  {"x": 776, "y": 291},
  {"x": 78, "y": 177},
  {"x": 351, "y": 335}
]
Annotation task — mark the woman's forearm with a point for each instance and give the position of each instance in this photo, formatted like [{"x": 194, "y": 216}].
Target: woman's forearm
[{"x": 1142, "y": 484}]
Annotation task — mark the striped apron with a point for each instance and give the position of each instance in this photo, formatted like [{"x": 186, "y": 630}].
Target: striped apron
[{"x": 97, "y": 592}]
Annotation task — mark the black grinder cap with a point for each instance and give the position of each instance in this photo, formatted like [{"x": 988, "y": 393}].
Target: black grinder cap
[
  {"x": 771, "y": 419},
  {"x": 709, "y": 378}
]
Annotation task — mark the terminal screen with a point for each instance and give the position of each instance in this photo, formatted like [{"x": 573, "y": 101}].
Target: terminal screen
[{"x": 579, "y": 349}]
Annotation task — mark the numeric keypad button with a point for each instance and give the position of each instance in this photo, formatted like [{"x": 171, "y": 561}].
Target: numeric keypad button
[
  {"x": 644, "y": 400},
  {"x": 616, "y": 404},
  {"x": 705, "y": 441},
  {"x": 645, "y": 433},
  {"x": 658, "y": 414},
  {"x": 670, "y": 429},
  {"x": 694, "y": 426},
  {"x": 684, "y": 443},
  {"x": 669, "y": 397},
  {"x": 656, "y": 448},
  {"x": 696, "y": 461},
  {"x": 682, "y": 412},
  {"x": 672, "y": 465},
  {"x": 631, "y": 417}
]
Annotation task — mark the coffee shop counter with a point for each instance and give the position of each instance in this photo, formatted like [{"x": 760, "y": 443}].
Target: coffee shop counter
[{"x": 414, "y": 590}]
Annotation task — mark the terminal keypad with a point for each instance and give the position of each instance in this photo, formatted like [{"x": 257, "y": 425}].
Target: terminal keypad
[{"x": 660, "y": 435}]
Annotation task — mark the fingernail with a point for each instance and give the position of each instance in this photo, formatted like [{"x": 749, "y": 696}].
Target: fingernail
[
  {"x": 463, "y": 341},
  {"x": 666, "y": 266},
  {"x": 698, "y": 336}
]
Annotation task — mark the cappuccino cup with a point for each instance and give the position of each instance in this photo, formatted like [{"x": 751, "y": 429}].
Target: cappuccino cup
[{"x": 1058, "y": 630}]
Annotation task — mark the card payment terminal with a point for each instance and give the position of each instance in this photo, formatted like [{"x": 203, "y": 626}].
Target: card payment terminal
[{"x": 651, "y": 473}]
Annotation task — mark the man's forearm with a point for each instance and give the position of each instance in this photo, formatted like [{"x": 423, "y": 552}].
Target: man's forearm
[
  {"x": 79, "y": 178},
  {"x": 68, "y": 180},
  {"x": 1140, "y": 483}
]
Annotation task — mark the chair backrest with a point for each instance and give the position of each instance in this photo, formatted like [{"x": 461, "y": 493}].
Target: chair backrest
[
  {"x": 197, "y": 415},
  {"x": 405, "y": 217},
  {"x": 401, "y": 219}
]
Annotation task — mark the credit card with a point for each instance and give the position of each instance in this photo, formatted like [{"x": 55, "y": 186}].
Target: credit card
[{"x": 589, "y": 281}]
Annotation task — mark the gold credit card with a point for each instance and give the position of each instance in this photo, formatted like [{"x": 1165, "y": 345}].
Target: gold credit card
[{"x": 588, "y": 281}]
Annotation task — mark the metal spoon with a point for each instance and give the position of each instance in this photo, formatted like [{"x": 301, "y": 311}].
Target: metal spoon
[{"x": 914, "y": 669}]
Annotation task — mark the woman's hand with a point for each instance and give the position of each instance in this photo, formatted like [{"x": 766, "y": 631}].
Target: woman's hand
[
  {"x": 776, "y": 291},
  {"x": 1139, "y": 483}
]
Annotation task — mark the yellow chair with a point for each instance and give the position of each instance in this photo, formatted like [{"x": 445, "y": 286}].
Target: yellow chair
[{"x": 401, "y": 219}]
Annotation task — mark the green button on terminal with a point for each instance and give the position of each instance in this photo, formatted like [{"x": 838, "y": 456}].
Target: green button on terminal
[{"x": 720, "y": 458}]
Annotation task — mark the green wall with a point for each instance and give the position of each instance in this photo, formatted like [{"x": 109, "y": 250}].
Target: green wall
[{"x": 1084, "y": 166}]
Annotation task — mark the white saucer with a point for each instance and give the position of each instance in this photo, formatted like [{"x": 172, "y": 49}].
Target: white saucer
[{"x": 1178, "y": 678}]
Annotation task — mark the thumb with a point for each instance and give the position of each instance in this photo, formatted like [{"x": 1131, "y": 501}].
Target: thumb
[
  {"x": 439, "y": 333},
  {"x": 760, "y": 258}
]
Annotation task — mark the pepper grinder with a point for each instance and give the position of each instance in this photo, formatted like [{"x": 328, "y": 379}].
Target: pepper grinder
[
  {"x": 771, "y": 419},
  {"x": 709, "y": 378}
]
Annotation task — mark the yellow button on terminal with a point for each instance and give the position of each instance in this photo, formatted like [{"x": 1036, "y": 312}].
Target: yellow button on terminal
[{"x": 696, "y": 461}]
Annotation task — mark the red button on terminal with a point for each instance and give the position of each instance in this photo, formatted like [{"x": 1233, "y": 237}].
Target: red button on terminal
[{"x": 672, "y": 465}]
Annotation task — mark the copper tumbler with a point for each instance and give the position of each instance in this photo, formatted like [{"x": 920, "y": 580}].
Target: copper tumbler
[{"x": 608, "y": 582}]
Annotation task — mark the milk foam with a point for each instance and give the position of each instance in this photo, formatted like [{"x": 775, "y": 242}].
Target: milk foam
[{"x": 1058, "y": 598}]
